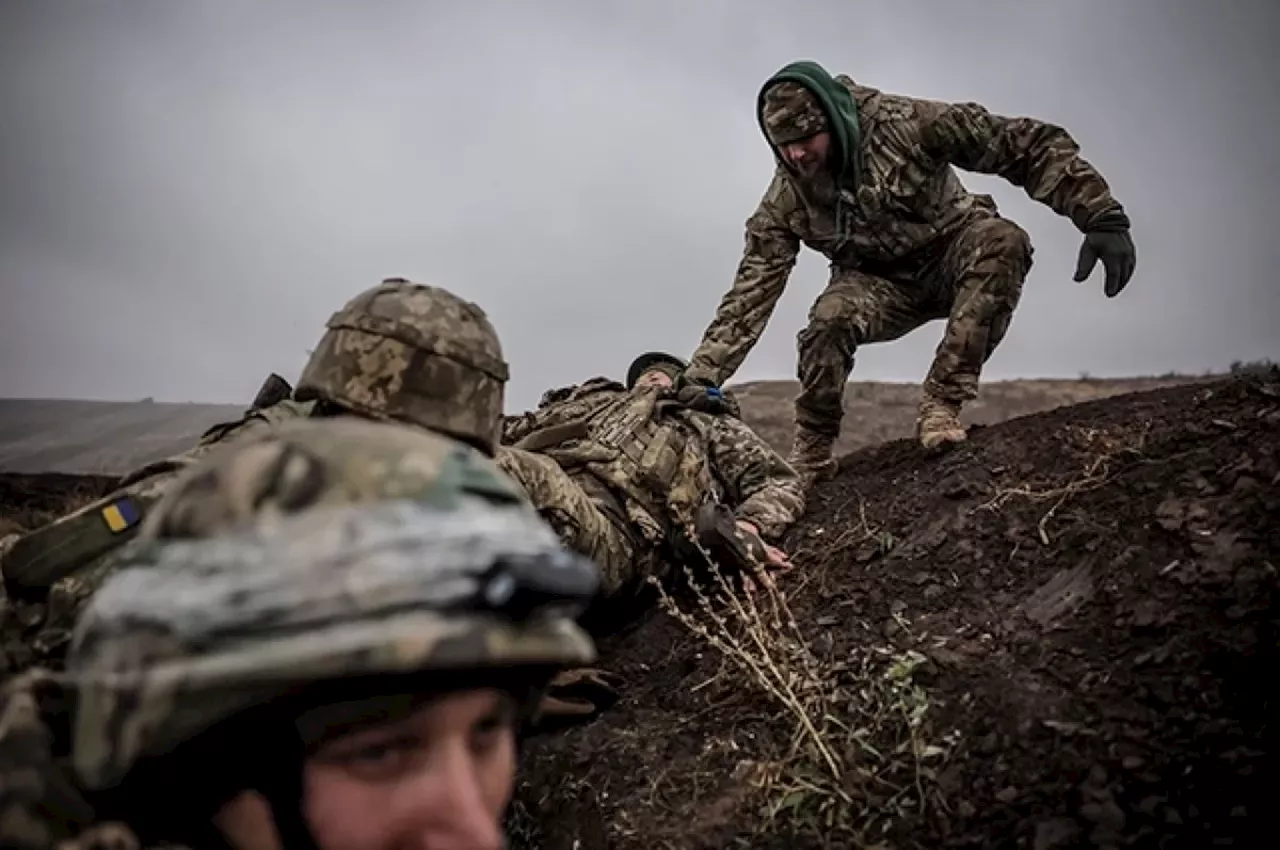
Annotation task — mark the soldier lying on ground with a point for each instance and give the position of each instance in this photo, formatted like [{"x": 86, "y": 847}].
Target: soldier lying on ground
[
  {"x": 326, "y": 636},
  {"x": 631, "y": 477},
  {"x": 398, "y": 351},
  {"x": 867, "y": 179}
]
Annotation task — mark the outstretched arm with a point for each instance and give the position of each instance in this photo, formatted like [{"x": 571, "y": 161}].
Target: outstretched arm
[
  {"x": 767, "y": 259},
  {"x": 763, "y": 489},
  {"x": 1041, "y": 158}
]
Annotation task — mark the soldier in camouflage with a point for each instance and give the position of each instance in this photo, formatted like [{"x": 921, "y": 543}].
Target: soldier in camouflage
[
  {"x": 867, "y": 179},
  {"x": 624, "y": 472},
  {"x": 324, "y": 636},
  {"x": 399, "y": 351}
]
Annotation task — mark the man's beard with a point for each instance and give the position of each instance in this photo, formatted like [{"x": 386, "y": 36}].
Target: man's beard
[{"x": 821, "y": 186}]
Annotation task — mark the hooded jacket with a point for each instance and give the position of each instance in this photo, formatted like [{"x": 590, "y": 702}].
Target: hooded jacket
[
  {"x": 896, "y": 197},
  {"x": 842, "y": 119}
]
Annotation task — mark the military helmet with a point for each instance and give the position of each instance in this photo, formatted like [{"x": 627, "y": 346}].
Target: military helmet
[
  {"x": 414, "y": 353},
  {"x": 324, "y": 551},
  {"x": 649, "y": 360}
]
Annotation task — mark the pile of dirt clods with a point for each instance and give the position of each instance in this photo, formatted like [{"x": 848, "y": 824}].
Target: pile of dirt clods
[{"x": 1061, "y": 634}]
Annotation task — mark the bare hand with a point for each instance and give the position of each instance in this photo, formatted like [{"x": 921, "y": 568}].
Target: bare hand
[{"x": 775, "y": 558}]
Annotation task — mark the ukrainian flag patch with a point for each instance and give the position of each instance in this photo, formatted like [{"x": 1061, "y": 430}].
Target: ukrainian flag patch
[{"x": 121, "y": 515}]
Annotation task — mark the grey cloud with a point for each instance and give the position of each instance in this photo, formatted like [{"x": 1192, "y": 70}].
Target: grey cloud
[{"x": 191, "y": 189}]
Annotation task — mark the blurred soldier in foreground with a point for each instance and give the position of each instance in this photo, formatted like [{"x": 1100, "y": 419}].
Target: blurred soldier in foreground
[
  {"x": 324, "y": 637},
  {"x": 399, "y": 351},
  {"x": 637, "y": 481},
  {"x": 867, "y": 179}
]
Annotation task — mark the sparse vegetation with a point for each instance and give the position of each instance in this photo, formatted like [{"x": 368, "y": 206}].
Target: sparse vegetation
[
  {"x": 1057, "y": 635},
  {"x": 1254, "y": 367},
  {"x": 836, "y": 778},
  {"x": 1060, "y": 634}
]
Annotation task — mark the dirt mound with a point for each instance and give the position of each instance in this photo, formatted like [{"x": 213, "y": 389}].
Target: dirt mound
[
  {"x": 878, "y": 412},
  {"x": 1061, "y": 634},
  {"x": 29, "y": 501}
]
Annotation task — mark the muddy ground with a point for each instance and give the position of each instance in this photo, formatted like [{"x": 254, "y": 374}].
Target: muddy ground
[{"x": 1063, "y": 634}]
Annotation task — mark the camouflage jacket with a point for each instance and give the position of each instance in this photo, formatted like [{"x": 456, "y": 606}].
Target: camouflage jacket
[
  {"x": 909, "y": 198},
  {"x": 660, "y": 459},
  {"x": 55, "y": 568},
  {"x": 41, "y": 805}
]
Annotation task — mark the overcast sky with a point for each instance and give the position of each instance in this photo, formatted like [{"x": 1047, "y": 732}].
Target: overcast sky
[{"x": 191, "y": 188}]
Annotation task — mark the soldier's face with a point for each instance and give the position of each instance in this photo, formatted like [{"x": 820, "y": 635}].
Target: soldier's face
[
  {"x": 809, "y": 155},
  {"x": 655, "y": 378},
  {"x": 439, "y": 779}
]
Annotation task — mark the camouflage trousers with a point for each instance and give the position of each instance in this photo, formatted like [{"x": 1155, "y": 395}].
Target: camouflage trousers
[
  {"x": 579, "y": 520},
  {"x": 974, "y": 282}
]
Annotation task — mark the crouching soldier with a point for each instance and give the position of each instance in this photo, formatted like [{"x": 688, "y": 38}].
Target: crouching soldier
[{"x": 868, "y": 179}]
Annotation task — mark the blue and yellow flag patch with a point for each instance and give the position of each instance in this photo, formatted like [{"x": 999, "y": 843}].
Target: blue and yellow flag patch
[{"x": 121, "y": 515}]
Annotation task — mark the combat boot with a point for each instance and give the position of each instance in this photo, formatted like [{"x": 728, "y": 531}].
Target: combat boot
[
  {"x": 938, "y": 425},
  {"x": 811, "y": 456}
]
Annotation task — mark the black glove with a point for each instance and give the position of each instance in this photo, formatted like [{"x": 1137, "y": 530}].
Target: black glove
[
  {"x": 1108, "y": 239},
  {"x": 702, "y": 397}
]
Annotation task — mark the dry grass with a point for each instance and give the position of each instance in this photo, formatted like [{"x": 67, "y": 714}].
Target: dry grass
[
  {"x": 1106, "y": 456},
  {"x": 863, "y": 750}
]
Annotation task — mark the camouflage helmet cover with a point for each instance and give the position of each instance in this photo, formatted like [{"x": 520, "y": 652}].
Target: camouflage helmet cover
[
  {"x": 204, "y": 620},
  {"x": 414, "y": 353}
]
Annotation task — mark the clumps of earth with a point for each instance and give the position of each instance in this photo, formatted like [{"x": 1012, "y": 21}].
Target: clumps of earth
[{"x": 1061, "y": 634}]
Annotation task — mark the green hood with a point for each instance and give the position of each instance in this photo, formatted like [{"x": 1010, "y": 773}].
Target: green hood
[{"x": 842, "y": 114}]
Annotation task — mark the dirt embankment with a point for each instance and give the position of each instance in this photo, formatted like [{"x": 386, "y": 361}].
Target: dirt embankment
[
  {"x": 1063, "y": 634},
  {"x": 29, "y": 501},
  {"x": 879, "y": 412}
]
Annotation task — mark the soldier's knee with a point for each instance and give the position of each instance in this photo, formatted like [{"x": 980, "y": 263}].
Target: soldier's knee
[
  {"x": 828, "y": 309},
  {"x": 1008, "y": 241},
  {"x": 816, "y": 332}
]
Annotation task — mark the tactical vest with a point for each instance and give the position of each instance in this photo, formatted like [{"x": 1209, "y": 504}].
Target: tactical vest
[
  {"x": 639, "y": 445},
  {"x": 70, "y": 544}
]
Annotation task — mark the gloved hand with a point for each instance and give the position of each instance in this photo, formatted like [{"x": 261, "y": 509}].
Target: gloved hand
[
  {"x": 1108, "y": 239},
  {"x": 700, "y": 396}
]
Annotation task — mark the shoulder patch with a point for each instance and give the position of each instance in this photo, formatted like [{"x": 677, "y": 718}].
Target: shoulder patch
[{"x": 121, "y": 515}]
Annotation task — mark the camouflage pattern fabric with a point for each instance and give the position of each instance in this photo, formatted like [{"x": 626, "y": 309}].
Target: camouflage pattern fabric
[
  {"x": 322, "y": 549},
  {"x": 397, "y": 351},
  {"x": 975, "y": 284},
  {"x": 582, "y": 522},
  {"x": 909, "y": 207},
  {"x": 33, "y": 781},
  {"x": 414, "y": 353},
  {"x": 81, "y": 545},
  {"x": 195, "y": 631},
  {"x": 791, "y": 113},
  {"x": 316, "y": 463},
  {"x": 634, "y": 472}
]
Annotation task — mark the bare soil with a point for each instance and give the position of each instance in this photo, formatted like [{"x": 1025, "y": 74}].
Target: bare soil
[
  {"x": 29, "y": 501},
  {"x": 1062, "y": 634},
  {"x": 878, "y": 412}
]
